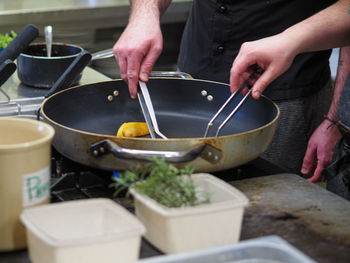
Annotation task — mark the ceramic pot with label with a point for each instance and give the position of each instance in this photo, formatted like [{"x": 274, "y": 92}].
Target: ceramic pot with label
[{"x": 25, "y": 153}]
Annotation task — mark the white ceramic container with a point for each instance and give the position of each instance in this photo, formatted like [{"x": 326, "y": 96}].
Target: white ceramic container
[
  {"x": 25, "y": 157},
  {"x": 89, "y": 231},
  {"x": 175, "y": 230}
]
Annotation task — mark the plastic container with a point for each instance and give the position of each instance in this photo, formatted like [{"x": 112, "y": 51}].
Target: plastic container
[
  {"x": 270, "y": 249},
  {"x": 92, "y": 230},
  {"x": 25, "y": 159},
  {"x": 175, "y": 230}
]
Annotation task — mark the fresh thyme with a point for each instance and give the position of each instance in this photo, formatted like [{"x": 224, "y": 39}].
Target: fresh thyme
[
  {"x": 163, "y": 182},
  {"x": 7, "y": 38}
]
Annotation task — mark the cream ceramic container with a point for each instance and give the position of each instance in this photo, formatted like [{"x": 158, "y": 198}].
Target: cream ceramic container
[{"x": 25, "y": 153}]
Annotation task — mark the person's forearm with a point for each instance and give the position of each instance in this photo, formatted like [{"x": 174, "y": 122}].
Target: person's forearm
[
  {"x": 342, "y": 73},
  {"x": 328, "y": 28},
  {"x": 149, "y": 9}
]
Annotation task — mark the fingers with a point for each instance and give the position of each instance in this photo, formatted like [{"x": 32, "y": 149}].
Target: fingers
[
  {"x": 262, "y": 82},
  {"x": 129, "y": 61},
  {"x": 136, "y": 52},
  {"x": 317, "y": 176},
  {"x": 239, "y": 72},
  {"x": 311, "y": 167},
  {"x": 149, "y": 61},
  {"x": 122, "y": 63},
  {"x": 309, "y": 160},
  {"x": 133, "y": 72}
]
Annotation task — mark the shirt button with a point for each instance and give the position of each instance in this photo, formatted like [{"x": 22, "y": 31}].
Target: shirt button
[
  {"x": 220, "y": 48},
  {"x": 223, "y": 9}
]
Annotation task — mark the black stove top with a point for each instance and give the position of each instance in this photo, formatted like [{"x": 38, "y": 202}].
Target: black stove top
[{"x": 71, "y": 181}]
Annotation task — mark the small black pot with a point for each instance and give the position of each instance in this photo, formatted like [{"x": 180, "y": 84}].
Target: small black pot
[{"x": 37, "y": 70}]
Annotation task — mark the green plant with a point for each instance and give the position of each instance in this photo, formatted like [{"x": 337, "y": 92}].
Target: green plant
[
  {"x": 7, "y": 38},
  {"x": 163, "y": 182}
]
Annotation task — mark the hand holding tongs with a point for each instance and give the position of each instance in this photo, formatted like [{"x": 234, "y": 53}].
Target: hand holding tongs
[
  {"x": 256, "y": 71},
  {"x": 148, "y": 111}
]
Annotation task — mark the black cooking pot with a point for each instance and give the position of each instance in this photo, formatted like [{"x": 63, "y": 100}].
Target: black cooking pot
[{"x": 35, "y": 69}]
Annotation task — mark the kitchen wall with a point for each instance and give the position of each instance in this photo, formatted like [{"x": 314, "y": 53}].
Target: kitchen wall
[{"x": 93, "y": 24}]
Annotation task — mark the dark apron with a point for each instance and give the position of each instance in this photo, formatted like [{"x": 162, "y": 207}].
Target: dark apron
[{"x": 338, "y": 173}]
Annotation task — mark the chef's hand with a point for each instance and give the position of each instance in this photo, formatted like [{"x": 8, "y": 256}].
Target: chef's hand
[
  {"x": 137, "y": 51},
  {"x": 320, "y": 150},
  {"x": 272, "y": 54}
]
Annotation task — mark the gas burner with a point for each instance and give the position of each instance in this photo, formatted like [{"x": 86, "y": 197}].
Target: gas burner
[{"x": 71, "y": 181}]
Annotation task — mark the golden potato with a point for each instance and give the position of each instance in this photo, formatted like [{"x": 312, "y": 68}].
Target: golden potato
[{"x": 133, "y": 129}]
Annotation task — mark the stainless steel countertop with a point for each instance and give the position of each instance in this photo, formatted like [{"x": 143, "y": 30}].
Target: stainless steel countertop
[
  {"x": 13, "y": 85},
  {"x": 26, "y": 100}
]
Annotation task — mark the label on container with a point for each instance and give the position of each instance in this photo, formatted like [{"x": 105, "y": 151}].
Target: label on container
[{"x": 36, "y": 187}]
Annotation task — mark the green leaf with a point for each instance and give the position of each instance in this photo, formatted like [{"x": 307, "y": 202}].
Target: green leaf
[
  {"x": 7, "y": 38},
  {"x": 163, "y": 182}
]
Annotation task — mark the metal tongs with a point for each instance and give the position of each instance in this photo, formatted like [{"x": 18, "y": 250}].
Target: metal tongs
[
  {"x": 256, "y": 71},
  {"x": 148, "y": 111}
]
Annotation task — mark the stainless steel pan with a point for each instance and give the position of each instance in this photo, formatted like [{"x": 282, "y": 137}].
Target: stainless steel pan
[{"x": 87, "y": 117}]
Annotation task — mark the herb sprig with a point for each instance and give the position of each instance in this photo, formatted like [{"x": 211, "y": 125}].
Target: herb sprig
[
  {"x": 163, "y": 182},
  {"x": 6, "y": 39}
]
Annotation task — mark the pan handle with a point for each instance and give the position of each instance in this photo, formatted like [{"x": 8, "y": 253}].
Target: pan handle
[
  {"x": 166, "y": 74},
  {"x": 20, "y": 43},
  {"x": 74, "y": 69},
  {"x": 204, "y": 151}
]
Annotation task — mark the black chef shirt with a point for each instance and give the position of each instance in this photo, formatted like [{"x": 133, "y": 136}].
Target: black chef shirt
[{"x": 216, "y": 29}]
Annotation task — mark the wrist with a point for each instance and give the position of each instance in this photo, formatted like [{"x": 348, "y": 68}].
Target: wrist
[{"x": 332, "y": 121}]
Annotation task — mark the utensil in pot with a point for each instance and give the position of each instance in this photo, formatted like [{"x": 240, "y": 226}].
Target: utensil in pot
[
  {"x": 48, "y": 39},
  {"x": 148, "y": 111}
]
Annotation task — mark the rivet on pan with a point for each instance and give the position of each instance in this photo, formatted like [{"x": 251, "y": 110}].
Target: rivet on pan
[
  {"x": 116, "y": 93},
  {"x": 204, "y": 93},
  {"x": 210, "y": 98},
  {"x": 102, "y": 150},
  {"x": 95, "y": 153},
  {"x": 110, "y": 98}
]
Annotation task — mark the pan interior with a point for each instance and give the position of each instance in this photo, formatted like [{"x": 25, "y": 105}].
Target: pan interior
[{"x": 181, "y": 108}]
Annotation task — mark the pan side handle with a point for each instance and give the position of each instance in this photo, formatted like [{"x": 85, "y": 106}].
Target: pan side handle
[
  {"x": 204, "y": 151},
  {"x": 174, "y": 74}
]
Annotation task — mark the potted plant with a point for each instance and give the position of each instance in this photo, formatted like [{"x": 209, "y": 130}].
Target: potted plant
[
  {"x": 183, "y": 211},
  {"x": 6, "y": 39}
]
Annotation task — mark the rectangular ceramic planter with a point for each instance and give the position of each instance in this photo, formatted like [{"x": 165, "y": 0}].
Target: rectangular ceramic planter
[
  {"x": 175, "y": 230},
  {"x": 89, "y": 231}
]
